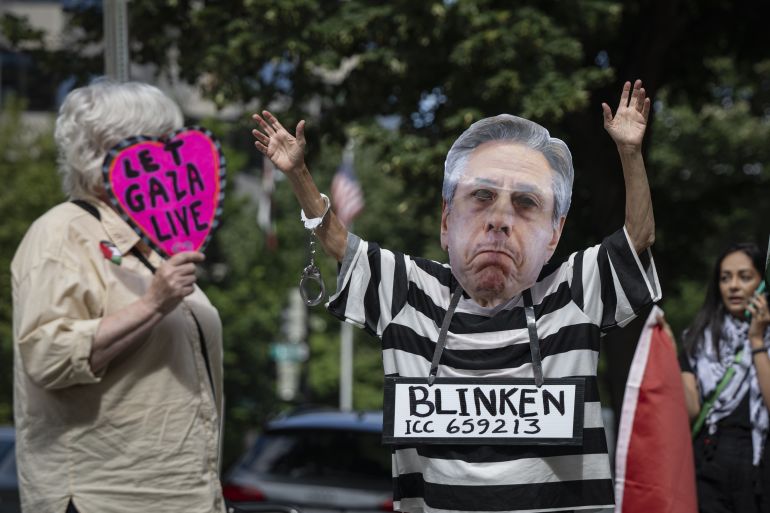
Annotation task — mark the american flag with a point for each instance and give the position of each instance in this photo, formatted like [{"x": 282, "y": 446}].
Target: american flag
[{"x": 347, "y": 195}]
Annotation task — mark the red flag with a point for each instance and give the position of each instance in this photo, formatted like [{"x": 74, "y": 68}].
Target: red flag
[
  {"x": 347, "y": 196},
  {"x": 654, "y": 464}
]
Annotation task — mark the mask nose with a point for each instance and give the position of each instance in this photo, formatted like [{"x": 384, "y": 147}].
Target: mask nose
[
  {"x": 499, "y": 227},
  {"x": 500, "y": 220}
]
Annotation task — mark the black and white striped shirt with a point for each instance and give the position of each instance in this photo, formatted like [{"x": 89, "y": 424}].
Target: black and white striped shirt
[{"x": 402, "y": 300}]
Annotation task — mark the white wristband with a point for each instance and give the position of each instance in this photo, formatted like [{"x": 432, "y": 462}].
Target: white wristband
[{"x": 315, "y": 222}]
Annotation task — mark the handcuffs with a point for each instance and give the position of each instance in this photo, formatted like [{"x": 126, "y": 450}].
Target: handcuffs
[{"x": 311, "y": 275}]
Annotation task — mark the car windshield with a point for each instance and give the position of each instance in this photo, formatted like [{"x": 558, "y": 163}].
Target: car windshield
[{"x": 349, "y": 458}]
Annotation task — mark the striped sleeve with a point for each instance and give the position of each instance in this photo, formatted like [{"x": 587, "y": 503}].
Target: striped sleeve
[
  {"x": 372, "y": 286},
  {"x": 611, "y": 283}
]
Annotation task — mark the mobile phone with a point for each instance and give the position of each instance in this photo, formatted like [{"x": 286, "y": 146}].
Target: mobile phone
[
  {"x": 759, "y": 290},
  {"x": 763, "y": 284}
]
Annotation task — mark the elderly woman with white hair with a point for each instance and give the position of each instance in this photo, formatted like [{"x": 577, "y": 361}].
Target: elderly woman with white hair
[{"x": 117, "y": 353}]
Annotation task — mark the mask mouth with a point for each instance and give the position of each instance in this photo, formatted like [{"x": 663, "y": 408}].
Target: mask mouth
[
  {"x": 499, "y": 257},
  {"x": 495, "y": 248}
]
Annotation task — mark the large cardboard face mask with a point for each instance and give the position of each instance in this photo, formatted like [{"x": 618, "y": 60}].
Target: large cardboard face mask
[{"x": 169, "y": 189}]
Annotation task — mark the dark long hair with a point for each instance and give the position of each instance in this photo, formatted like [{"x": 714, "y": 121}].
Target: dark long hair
[{"x": 711, "y": 315}]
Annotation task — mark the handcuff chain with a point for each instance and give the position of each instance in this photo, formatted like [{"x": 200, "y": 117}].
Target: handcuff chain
[{"x": 311, "y": 273}]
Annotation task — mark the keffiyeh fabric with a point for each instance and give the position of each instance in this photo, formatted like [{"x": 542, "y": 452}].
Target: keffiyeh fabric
[{"x": 709, "y": 369}]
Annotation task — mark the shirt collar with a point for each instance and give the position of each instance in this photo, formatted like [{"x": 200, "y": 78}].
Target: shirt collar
[{"x": 119, "y": 231}]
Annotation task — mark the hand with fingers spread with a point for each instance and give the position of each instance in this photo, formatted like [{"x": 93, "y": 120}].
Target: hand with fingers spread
[
  {"x": 627, "y": 129},
  {"x": 173, "y": 281},
  {"x": 286, "y": 151},
  {"x": 629, "y": 123}
]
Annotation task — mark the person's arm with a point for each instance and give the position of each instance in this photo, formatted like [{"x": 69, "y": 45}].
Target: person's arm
[
  {"x": 61, "y": 333},
  {"x": 691, "y": 395},
  {"x": 121, "y": 330},
  {"x": 287, "y": 153},
  {"x": 760, "y": 319},
  {"x": 627, "y": 129}
]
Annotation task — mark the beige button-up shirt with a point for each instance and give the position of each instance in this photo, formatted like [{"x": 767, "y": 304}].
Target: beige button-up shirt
[{"x": 142, "y": 436}]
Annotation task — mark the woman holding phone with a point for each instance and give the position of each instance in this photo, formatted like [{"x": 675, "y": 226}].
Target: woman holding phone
[{"x": 726, "y": 376}]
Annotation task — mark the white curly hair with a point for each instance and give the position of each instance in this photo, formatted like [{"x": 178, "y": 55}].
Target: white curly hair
[{"x": 94, "y": 118}]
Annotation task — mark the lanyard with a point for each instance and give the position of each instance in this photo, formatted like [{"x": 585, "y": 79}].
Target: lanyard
[
  {"x": 534, "y": 342},
  {"x": 441, "y": 342}
]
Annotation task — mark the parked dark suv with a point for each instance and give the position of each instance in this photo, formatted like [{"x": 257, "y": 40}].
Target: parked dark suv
[
  {"x": 9, "y": 487},
  {"x": 319, "y": 461}
]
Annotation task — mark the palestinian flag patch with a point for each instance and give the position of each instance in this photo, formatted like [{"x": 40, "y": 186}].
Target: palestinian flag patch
[{"x": 111, "y": 252}]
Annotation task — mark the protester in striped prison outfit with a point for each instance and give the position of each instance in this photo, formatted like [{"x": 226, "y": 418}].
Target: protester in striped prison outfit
[
  {"x": 402, "y": 300},
  {"x": 507, "y": 188}
]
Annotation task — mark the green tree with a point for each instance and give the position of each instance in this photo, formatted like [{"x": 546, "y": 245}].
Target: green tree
[
  {"x": 712, "y": 175},
  {"x": 404, "y": 78},
  {"x": 30, "y": 187}
]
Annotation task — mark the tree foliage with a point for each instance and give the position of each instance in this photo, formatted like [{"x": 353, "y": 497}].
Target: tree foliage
[
  {"x": 712, "y": 176},
  {"x": 30, "y": 187}
]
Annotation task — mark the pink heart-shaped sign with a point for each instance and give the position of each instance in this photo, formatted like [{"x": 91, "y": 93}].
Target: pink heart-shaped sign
[{"x": 169, "y": 189}]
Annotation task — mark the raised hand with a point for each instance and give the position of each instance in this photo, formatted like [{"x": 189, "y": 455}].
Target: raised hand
[
  {"x": 287, "y": 152},
  {"x": 628, "y": 125}
]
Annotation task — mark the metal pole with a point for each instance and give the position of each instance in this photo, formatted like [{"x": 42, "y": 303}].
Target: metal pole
[
  {"x": 346, "y": 331},
  {"x": 346, "y": 367},
  {"x": 116, "y": 55}
]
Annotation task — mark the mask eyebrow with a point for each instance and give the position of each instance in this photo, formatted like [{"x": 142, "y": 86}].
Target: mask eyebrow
[
  {"x": 525, "y": 188},
  {"x": 521, "y": 188},
  {"x": 486, "y": 181}
]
